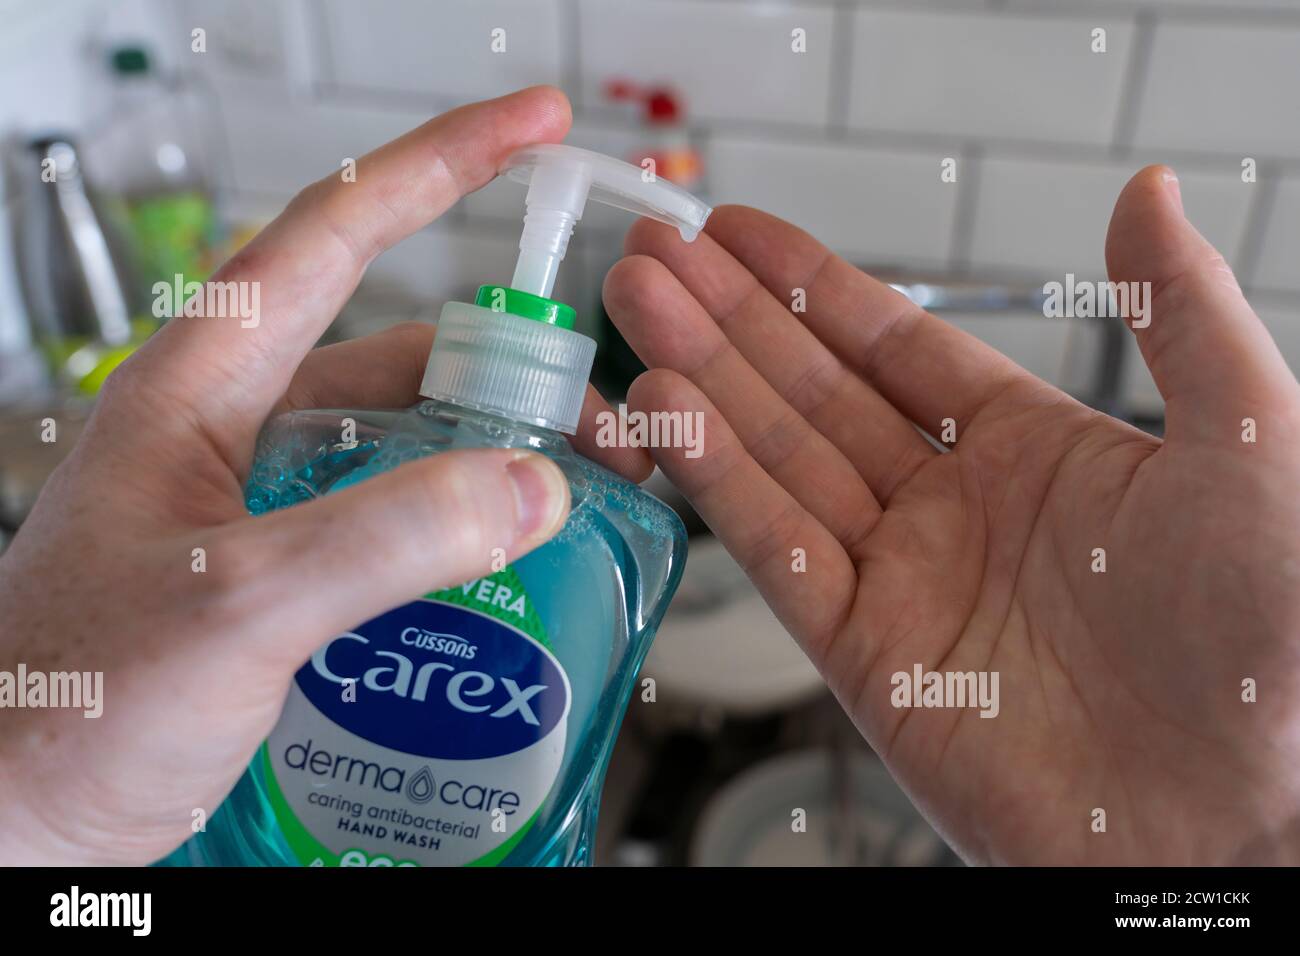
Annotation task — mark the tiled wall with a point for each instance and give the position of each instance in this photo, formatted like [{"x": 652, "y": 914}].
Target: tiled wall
[{"x": 845, "y": 139}]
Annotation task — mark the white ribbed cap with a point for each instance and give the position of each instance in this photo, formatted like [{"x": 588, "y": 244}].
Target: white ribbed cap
[
  {"x": 519, "y": 368},
  {"x": 531, "y": 369}
]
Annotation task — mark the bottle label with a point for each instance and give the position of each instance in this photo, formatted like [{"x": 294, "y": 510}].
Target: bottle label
[{"x": 430, "y": 735}]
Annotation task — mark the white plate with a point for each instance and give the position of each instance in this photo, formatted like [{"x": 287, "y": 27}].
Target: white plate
[
  {"x": 720, "y": 646},
  {"x": 750, "y": 822}
]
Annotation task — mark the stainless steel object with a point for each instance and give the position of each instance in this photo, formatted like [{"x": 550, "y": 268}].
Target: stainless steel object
[
  {"x": 75, "y": 272},
  {"x": 972, "y": 296},
  {"x": 939, "y": 293},
  {"x": 35, "y": 439}
]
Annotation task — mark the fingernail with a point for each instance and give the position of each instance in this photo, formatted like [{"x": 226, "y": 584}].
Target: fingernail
[
  {"x": 1175, "y": 190},
  {"x": 541, "y": 494}
]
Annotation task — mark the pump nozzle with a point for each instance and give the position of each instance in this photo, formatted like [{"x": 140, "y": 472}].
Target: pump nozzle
[
  {"x": 560, "y": 180},
  {"x": 514, "y": 354}
]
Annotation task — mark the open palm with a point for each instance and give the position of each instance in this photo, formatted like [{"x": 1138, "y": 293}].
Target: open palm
[{"x": 1121, "y": 689}]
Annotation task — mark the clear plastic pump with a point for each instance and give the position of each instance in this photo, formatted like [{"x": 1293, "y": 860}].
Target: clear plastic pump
[
  {"x": 560, "y": 180},
  {"x": 513, "y": 353}
]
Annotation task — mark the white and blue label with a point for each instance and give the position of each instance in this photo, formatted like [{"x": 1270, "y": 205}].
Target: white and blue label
[{"x": 430, "y": 735}]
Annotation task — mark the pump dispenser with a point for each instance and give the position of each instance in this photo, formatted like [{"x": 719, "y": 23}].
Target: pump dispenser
[
  {"x": 526, "y": 362},
  {"x": 560, "y": 180},
  {"x": 482, "y": 716}
]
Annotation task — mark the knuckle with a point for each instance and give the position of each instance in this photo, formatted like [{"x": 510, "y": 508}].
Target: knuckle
[
  {"x": 122, "y": 383},
  {"x": 309, "y": 197},
  {"x": 412, "y": 331}
]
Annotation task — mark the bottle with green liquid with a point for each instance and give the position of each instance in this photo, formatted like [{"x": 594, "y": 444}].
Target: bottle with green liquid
[
  {"x": 152, "y": 156},
  {"x": 472, "y": 726}
]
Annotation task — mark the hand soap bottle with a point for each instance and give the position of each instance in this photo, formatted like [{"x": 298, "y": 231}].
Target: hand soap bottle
[{"x": 472, "y": 726}]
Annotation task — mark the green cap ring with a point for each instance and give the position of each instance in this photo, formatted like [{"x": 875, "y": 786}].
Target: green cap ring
[{"x": 498, "y": 298}]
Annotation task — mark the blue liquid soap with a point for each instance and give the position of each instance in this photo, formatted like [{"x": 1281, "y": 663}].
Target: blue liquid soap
[
  {"x": 472, "y": 726},
  {"x": 588, "y": 601}
]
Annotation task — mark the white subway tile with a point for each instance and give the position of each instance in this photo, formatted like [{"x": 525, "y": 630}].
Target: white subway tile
[
  {"x": 248, "y": 39},
  {"x": 505, "y": 200},
  {"x": 1284, "y": 324},
  {"x": 1282, "y": 321},
  {"x": 1176, "y": 6},
  {"x": 988, "y": 74},
  {"x": 444, "y": 49},
  {"x": 875, "y": 206},
  {"x": 278, "y": 146},
  {"x": 582, "y": 277},
  {"x": 1036, "y": 344},
  {"x": 448, "y": 261},
  {"x": 15, "y": 334},
  {"x": 445, "y": 263},
  {"x": 240, "y": 36},
  {"x": 1038, "y": 217},
  {"x": 1224, "y": 6},
  {"x": 43, "y": 68},
  {"x": 1222, "y": 87},
  {"x": 1279, "y": 256},
  {"x": 499, "y": 199},
  {"x": 1140, "y": 395},
  {"x": 731, "y": 61}
]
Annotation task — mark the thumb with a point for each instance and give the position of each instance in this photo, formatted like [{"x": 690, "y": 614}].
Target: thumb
[
  {"x": 1210, "y": 355},
  {"x": 325, "y": 566}
]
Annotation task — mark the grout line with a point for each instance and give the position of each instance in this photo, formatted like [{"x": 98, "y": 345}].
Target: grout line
[
  {"x": 968, "y": 185},
  {"x": 882, "y": 139},
  {"x": 701, "y": 140},
  {"x": 1258, "y": 216},
  {"x": 226, "y": 180},
  {"x": 299, "y": 60},
  {"x": 571, "y": 73},
  {"x": 972, "y": 153},
  {"x": 901, "y": 140},
  {"x": 843, "y": 22},
  {"x": 837, "y": 130},
  {"x": 1133, "y": 85},
  {"x": 1222, "y": 15},
  {"x": 506, "y": 228},
  {"x": 392, "y": 101},
  {"x": 1287, "y": 300},
  {"x": 325, "y": 80}
]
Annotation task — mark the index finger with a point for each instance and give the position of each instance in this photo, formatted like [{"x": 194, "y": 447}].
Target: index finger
[
  {"x": 303, "y": 266},
  {"x": 924, "y": 367}
]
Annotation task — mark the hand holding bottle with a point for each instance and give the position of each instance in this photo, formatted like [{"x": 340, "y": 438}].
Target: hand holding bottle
[
  {"x": 1162, "y": 690},
  {"x": 140, "y": 561}
]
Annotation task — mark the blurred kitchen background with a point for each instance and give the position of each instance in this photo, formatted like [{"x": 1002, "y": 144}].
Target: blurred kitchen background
[{"x": 170, "y": 156}]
